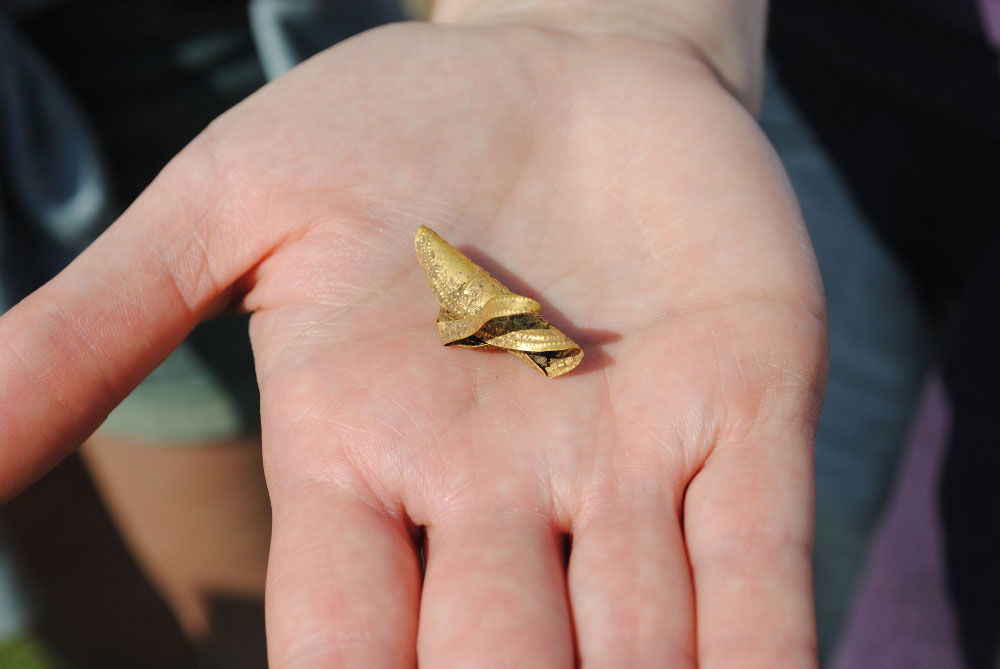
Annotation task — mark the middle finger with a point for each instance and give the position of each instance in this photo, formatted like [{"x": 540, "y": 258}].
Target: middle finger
[{"x": 495, "y": 593}]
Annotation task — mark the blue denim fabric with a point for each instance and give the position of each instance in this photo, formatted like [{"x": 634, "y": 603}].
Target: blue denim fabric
[{"x": 879, "y": 348}]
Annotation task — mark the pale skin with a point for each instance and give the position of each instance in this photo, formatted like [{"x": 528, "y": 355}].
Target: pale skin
[
  {"x": 605, "y": 164},
  {"x": 195, "y": 516}
]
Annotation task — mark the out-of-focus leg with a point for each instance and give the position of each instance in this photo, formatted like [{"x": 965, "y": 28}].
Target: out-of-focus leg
[{"x": 197, "y": 519}]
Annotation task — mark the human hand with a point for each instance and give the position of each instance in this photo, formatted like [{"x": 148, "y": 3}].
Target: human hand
[{"x": 619, "y": 180}]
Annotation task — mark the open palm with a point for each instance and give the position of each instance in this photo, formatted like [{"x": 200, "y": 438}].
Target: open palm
[{"x": 611, "y": 179}]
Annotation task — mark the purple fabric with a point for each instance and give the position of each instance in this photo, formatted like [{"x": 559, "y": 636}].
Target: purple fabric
[
  {"x": 990, "y": 10},
  {"x": 903, "y": 618}
]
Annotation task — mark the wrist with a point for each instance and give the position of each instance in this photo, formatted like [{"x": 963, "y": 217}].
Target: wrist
[{"x": 727, "y": 35}]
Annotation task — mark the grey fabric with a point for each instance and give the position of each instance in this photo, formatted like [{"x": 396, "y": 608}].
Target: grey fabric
[{"x": 879, "y": 348}]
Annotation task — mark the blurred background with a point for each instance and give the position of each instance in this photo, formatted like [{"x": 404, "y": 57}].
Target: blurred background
[{"x": 886, "y": 114}]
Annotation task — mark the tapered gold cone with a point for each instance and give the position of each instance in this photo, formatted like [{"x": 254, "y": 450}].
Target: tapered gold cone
[{"x": 480, "y": 312}]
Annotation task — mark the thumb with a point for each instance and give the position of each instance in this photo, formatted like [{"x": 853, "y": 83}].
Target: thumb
[{"x": 76, "y": 347}]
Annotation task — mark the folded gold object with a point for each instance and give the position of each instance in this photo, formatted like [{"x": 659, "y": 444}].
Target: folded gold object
[{"x": 477, "y": 311}]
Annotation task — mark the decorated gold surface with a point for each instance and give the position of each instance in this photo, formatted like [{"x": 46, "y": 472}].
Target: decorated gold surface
[{"x": 477, "y": 311}]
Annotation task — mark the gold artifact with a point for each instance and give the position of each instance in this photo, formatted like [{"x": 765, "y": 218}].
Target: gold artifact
[{"x": 477, "y": 311}]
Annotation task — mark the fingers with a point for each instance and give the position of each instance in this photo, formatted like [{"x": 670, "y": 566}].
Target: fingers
[
  {"x": 343, "y": 586},
  {"x": 630, "y": 586},
  {"x": 748, "y": 520},
  {"x": 76, "y": 347},
  {"x": 495, "y": 595}
]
